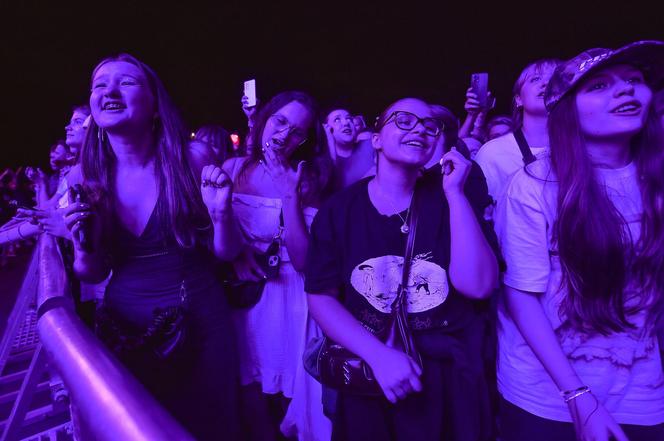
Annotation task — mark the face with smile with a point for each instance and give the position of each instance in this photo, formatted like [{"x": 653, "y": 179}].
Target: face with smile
[
  {"x": 121, "y": 99},
  {"x": 343, "y": 128},
  {"x": 531, "y": 94},
  {"x": 75, "y": 131},
  {"x": 287, "y": 129},
  {"x": 613, "y": 102},
  {"x": 411, "y": 147}
]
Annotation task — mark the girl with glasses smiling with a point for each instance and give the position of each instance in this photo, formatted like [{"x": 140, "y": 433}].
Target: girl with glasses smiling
[
  {"x": 275, "y": 192},
  {"x": 354, "y": 268}
]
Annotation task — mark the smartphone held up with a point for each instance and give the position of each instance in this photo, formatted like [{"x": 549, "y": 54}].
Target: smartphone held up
[
  {"x": 479, "y": 83},
  {"x": 250, "y": 93}
]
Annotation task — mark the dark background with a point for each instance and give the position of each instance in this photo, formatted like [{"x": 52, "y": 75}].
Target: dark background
[{"x": 366, "y": 52}]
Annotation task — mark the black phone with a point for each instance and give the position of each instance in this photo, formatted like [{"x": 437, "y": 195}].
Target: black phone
[
  {"x": 479, "y": 82},
  {"x": 77, "y": 194}
]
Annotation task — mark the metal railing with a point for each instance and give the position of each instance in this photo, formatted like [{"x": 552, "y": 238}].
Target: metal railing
[{"x": 109, "y": 402}]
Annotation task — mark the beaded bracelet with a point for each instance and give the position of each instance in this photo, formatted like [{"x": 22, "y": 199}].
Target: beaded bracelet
[{"x": 569, "y": 395}]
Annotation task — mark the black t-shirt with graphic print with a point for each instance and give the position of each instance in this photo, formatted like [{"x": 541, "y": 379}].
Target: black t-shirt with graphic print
[{"x": 359, "y": 252}]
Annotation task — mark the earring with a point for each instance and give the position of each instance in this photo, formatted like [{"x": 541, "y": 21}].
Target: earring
[{"x": 100, "y": 135}]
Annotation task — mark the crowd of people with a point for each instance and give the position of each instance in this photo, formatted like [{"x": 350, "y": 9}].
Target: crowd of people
[{"x": 532, "y": 281}]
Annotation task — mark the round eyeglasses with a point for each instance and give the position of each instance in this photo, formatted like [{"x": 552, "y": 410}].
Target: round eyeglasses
[
  {"x": 281, "y": 123},
  {"x": 408, "y": 121}
]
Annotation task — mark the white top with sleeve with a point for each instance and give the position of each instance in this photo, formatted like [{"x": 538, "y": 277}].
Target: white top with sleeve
[
  {"x": 499, "y": 159},
  {"x": 623, "y": 370}
]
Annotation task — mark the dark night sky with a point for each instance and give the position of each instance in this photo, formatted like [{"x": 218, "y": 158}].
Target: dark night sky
[{"x": 367, "y": 52}]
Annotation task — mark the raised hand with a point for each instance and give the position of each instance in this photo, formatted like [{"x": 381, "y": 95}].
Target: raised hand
[
  {"x": 78, "y": 216},
  {"x": 216, "y": 190},
  {"x": 285, "y": 179},
  {"x": 248, "y": 111},
  {"x": 51, "y": 221},
  {"x": 455, "y": 171},
  {"x": 472, "y": 104}
]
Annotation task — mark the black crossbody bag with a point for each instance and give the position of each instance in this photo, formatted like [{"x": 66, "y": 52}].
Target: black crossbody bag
[{"x": 246, "y": 293}]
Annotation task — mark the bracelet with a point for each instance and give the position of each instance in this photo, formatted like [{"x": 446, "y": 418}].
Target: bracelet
[
  {"x": 569, "y": 395},
  {"x": 18, "y": 230}
]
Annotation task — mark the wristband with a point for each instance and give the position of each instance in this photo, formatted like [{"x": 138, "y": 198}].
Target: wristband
[{"x": 569, "y": 395}]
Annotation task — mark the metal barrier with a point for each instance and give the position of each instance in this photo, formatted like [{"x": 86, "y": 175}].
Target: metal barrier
[{"x": 111, "y": 403}]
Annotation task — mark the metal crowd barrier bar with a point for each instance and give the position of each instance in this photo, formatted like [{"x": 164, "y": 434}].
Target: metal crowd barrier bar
[{"x": 109, "y": 401}]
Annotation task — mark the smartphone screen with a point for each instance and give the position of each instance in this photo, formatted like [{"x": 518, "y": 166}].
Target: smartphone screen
[
  {"x": 250, "y": 92},
  {"x": 480, "y": 84}
]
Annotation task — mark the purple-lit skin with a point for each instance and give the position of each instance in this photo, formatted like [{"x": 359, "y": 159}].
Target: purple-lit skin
[
  {"x": 123, "y": 105},
  {"x": 612, "y": 107},
  {"x": 121, "y": 101},
  {"x": 58, "y": 156},
  {"x": 473, "y": 269},
  {"x": 75, "y": 132},
  {"x": 613, "y": 104},
  {"x": 283, "y": 141},
  {"x": 498, "y": 130},
  {"x": 358, "y": 122},
  {"x": 341, "y": 127},
  {"x": 283, "y": 134},
  {"x": 531, "y": 95},
  {"x": 399, "y": 148}
]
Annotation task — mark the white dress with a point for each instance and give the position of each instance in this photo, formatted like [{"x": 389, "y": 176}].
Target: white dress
[{"x": 273, "y": 334}]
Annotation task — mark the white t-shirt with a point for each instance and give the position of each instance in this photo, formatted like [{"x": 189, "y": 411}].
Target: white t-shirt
[
  {"x": 624, "y": 370},
  {"x": 499, "y": 159}
]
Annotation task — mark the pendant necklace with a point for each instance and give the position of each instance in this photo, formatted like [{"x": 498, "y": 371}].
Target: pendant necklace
[{"x": 405, "y": 229}]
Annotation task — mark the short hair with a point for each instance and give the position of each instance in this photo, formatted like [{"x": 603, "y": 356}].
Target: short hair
[
  {"x": 82, "y": 108},
  {"x": 535, "y": 66}
]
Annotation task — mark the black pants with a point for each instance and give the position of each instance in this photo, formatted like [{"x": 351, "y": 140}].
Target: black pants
[
  {"x": 453, "y": 405},
  {"x": 518, "y": 425}
]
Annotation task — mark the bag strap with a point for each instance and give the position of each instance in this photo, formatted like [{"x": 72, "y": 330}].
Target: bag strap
[
  {"x": 526, "y": 153},
  {"x": 399, "y": 328},
  {"x": 413, "y": 214}
]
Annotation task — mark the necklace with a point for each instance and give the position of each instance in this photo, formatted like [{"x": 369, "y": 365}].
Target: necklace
[{"x": 404, "y": 227}]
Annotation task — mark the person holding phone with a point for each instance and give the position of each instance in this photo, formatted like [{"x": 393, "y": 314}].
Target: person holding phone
[
  {"x": 501, "y": 157},
  {"x": 584, "y": 286},
  {"x": 354, "y": 267},
  {"x": 276, "y": 191},
  {"x": 157, "y": 228}
]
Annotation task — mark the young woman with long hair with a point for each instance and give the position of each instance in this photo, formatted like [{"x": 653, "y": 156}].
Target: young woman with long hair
[
  {"x": 354, "y": 268},
  {"x": 581, "y": 233},
  {"x": 152, "y": 223},
  {"x": 276, "y": 190}
]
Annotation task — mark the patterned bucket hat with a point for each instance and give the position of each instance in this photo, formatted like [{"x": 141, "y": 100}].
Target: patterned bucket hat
[{"x": 647, "y": 55}]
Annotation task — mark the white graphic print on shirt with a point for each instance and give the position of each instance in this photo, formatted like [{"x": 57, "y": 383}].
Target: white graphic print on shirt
[{"x": 378, "y": 279}]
